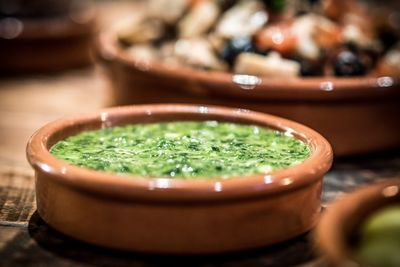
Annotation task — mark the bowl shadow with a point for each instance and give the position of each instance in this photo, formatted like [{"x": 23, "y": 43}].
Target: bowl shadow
[{"x": 294, "y": 252}]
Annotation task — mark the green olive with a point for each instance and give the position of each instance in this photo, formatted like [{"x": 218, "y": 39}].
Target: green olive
[{"x": 380, "y": 238}]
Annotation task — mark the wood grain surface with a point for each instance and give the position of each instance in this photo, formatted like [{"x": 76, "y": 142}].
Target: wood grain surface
[{"x": 17, "y": 195}]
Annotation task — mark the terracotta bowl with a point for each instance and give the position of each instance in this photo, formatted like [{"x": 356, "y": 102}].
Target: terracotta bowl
[
  {"x": 342, "y": 220},
  {"x": 356, "y": 115},
  {"x": 172, "y": 215},
  {"x": 46, "y": 44}
]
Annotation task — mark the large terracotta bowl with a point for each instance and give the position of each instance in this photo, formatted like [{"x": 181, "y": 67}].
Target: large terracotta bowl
[
  {"x": 356, "y": 115},
  {"x": 47, "y": 44},
  {"x": 172, "y": 215},
  {"x": 342, "y": 220}
]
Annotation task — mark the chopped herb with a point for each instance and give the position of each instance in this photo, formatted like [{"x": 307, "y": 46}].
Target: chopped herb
[{"x": 183, "y": 149}]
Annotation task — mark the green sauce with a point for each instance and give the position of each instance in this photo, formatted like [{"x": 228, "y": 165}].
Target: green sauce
[{"x": 184, "y": 149}]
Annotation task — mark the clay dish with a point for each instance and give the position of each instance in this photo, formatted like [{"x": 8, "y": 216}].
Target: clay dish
[
  {"x": 47, "y": 44},
  {"x": 164, "y": 215},
  {"x": 356, "y": 115},
  {"x": 341, "y": 221}
]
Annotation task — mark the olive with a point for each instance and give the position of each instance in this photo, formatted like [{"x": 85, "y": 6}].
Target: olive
[
  {"x": 368, "y": 57},
  {"x": 380, "y": 238},
  {"x": 311, "y": 68},
  {"x": 348, "y": 63},
  {"x": 237, "y": 45}
]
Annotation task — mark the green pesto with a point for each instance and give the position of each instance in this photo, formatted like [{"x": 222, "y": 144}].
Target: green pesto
[{"x": 184, "y": 149}]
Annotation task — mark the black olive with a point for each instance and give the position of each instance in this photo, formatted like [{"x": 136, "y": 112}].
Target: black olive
[
  {"x": 368, "y": 57},
  {"x": 236, "y": 46},
  {"x": 311, "y": 68},
  {"x": 348, "y": 63}
]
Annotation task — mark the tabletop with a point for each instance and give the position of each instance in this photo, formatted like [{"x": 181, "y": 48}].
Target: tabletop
[{"x": 29, "y": 102}]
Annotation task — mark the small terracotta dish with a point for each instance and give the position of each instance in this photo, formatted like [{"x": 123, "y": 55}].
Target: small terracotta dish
[
  {"x": 356, "y": 115},
  {"x": 164, "y": 215},
  {"x": 338, "y": 226},
  {"x": 47, "y": 44}
]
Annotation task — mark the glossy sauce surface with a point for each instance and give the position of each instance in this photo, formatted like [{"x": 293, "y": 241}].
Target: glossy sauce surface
[{"x": 183, "y": 149}]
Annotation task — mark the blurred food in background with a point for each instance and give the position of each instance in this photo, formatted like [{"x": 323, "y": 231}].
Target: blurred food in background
[
  {"x": 271, "y": 38},
  {"x": 45, "y": 35},
  {"x": 34, "y": 8}
]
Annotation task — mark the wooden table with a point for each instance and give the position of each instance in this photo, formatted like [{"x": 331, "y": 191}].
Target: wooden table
[{"x": 27, "y": 103}]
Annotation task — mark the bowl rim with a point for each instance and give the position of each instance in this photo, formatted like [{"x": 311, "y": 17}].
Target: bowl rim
[
  {"x": 107, "y": 50},
  {"x": 330, "y": 236},
  {"x": 162, "y": 188}
]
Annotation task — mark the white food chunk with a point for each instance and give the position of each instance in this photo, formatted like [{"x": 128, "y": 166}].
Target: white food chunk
[
  {"x": 143, "y": 53},
  {"x": 392, "y": 57},
  {"x": 138, "y": 29},
  {"x": 198, "y": 53},
  {"x": 243, "y": 19},
  {"x": 273, "y": 65},
  {"x": 304, "y": 29},
  {"x": 390, "y": 64},
  {"x": 199, "y": 19},
  {"x": 169, "y": 11},
  {"x": 353, "y": 33}
]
